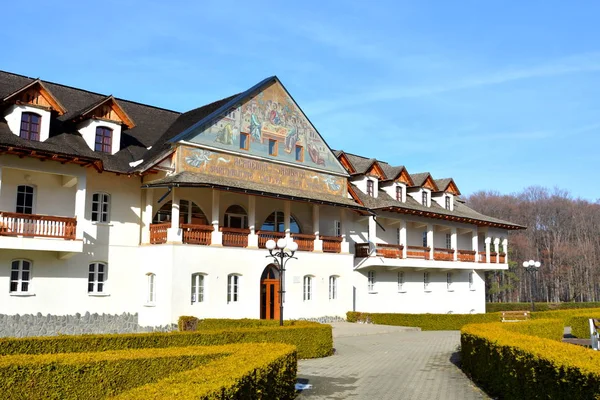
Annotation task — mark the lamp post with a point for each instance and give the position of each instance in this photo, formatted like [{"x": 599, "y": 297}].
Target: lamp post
[
  {"x": 531, "y": 267},
  {"x": 281, "y": 252}
]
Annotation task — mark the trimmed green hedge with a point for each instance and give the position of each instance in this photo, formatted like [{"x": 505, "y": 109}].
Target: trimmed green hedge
[
  {"x": 427, "y": 322},
  {"x": 514, "y": 365},
  {"x": 496, "y": 307},
  {"x": 233, "y": 371},
  {"x": 188, "y": 323},
  {"x": 552, "y": 329},
  {"x": 311, "y": 339}
]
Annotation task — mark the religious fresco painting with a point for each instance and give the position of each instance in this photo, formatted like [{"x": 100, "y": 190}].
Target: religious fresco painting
[
  {"x": 226, "y": 165},
  {"x": 269, "y": 124}
]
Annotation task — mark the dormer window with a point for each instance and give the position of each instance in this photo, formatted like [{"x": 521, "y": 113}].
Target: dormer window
[
  {"x": 30, "y": 126},
  {"x": 370, "y": 188},
  {"x": 399, "y": 193},
  {"x": 424, "y": 198},
  {"x": 103, "y": 141},
  {"x": 447, "y": 202}
]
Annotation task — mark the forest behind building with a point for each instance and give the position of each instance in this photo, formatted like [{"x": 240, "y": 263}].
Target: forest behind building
[{"x": 563, "y": 233}]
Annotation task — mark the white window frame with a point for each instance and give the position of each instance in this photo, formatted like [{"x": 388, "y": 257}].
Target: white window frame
[
  {"x": 449, "y": 281},
  {"x": 399, "y": 191},
  {"x": 337, "y": 228},
  {"x": 426, "y": 282},
  {"x": 424, "y": 198},
  {"x": 447, "y": 202},
  {"x": 471, "y": 280},
  {"x": 20, "y": 264},
  {"x": 233, "y": 288},
  {"x": 198, "y": 287},
  {"x": 401, "y": 288},
  {"x": 33, "y": 198},
  {"x": 333, "y": 289},
  {"x": 371, "y": 281},
  {"x": 96, "y": 278},
  {"x": 370, "y": 185},
  {"x": 101, "y": 199},
  {"x": 448, "y": 241},
  {"x": 307, "y": 288},
  {"x": 150, "y": 289}
]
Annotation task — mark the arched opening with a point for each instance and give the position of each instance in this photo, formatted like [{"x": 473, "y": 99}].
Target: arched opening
[
  {"x": 269, "y": 292},
  {"x": 235, "y": 217},
  {"x": 275, "y": 223},
  {"x": 189, "y": 213}
]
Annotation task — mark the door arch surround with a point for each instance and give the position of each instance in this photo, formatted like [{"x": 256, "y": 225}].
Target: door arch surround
[{"x": 269, "y": 293}]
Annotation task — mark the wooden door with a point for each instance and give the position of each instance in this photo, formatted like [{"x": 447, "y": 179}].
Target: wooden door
[{"x": 269, "y": 299}]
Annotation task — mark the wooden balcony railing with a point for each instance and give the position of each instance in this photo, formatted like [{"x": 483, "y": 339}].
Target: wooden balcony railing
[
  {"x": 305, "y": 242},
  {"x": 235, "y": 237},
  {"x": 196, "y": 234},
  {"x": 481, "y": 256},
  {"x": 389, "y": 250},
  {"x": 466, "y": 255},
  {"x": 361, "y": 250},
  {"x": 264, "y": 236},
  {"x": 158, "y": 232},
  {"x": 502, "y": 258},
  {"x": 32, "y": 225},
  {"x": 442, "y": 254},
  {"x": 331, "y": 244},
  {"x": 417, "y": 252}
]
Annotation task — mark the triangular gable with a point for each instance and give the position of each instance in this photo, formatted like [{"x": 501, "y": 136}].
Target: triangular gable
[
  {"x": 109, "y": 109},
  {"x": 404, "y": 177},
  {"x": 265, "y": 115},
  {"x": 346, "y": 163},
  {"x": 430, "y": 184},
  {"x": 36, "y": 93},
  {"x": 375, "y": 170},
  {"x": 452, "y": 188}
]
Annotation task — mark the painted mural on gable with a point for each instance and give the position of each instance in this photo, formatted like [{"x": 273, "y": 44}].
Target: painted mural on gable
[{"x": 270, "y": 125}]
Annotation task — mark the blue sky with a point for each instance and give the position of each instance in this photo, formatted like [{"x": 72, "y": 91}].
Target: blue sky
[{"x": 499, "y": 95}]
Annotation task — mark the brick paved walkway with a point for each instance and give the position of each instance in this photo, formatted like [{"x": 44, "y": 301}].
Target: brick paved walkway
[{"x": 370, "y": 364}]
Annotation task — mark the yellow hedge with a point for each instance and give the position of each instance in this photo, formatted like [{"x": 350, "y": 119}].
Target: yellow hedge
[
  {"x": 311, "y": 339},
  {"x": 427, "y": 322},
  {"x": 248, "y": 371},
  {"x": 515, "y": 365}
]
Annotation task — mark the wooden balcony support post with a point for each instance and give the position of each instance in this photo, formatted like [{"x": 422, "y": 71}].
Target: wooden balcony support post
[
  {"x": 287, "y": 212},
  {"x": 344, "y": 245},
  {"x": 174, "y": 233},
  {"x": 147, "y": 214},
  {"x": 430, "y": 243},
  {"x": 475, "y": 243},
  {"x": 252, "y": 237},
  {"x": 497, "y": 250},
  {"x": 454, "y": 242},
  {"x": 488, "y": 241},
  {"x": 318, "y": 244},
  {"x": 216, "y": 235},
  {"x": 80, "y": 205},
  {"x": 403, "y": 237}
]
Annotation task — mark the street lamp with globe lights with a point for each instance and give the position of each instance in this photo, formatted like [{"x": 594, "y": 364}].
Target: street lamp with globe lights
[
  {"x": 281, "y": 251},
  {"x": 532, "y": 267}
]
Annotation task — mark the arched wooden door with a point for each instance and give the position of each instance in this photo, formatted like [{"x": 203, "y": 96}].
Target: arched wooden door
[{"x": 269, "y": 293}]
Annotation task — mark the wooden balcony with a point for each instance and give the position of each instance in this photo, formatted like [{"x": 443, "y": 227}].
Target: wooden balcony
[
  {"x": 305, "y": 242},
  {"x": 389, "y": 250},
  {"x": 466, "y": 255},
  {"x": 361, "y": 250},
  {"x": 158, "y": 232},
  {"x": 32, "y": 225},
  {"x": 443, "y": 254},
  {"x": 235, "y": 237},
  {"x": 481, "y": 256},
  {"x": 417, "y": 252},
  {"x": 197, "y": 234},
  {"x": 264, "y": 236},
  {"x": 331, "y": 244}
]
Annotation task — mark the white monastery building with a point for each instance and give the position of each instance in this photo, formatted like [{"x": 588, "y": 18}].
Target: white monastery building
[{"x": 111, "y": 206}]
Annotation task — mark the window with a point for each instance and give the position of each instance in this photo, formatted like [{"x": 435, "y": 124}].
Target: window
[
  {"x": 233, "y": 288},
  {"x": 20, "y": 276},
  {"x": 333, "y": 287},
  {"x": 399, "y": 193},
  {"x": 447, "y": 202},
  {"x": 97, "y": 277},
  {"x": 275, "y": 223},
  {"x": 426, "y": 280},
  {"x": 30, "y": 126},
  {"x": 189, "y": 213},
  {"x": 273, "y": 147},
  {"x": 370, "y": 188},
  {"x": 25, "y": 199},
  {"x": 371, "y": 281},
  {"x": 449, "y": 280},
  {"x": 103, "y": 139},
  {"x": 236, "y": 217},
  {"x": 244, "y": 141},
  {"x": 400, "y": 281},
  {"x": 307, "y": 292},
  {"x": 448, "y": 241},
  {"x": 471, "y": 283},
  {"x": 425, "y": 239},
  {"x": 337, "y": 228},
  {"x": 299, "y": 153},
  {"x": 151, "y": 288},
  {"x": 100, "y": 207},
  {"x": 197, "y": 288},
  {"x": 424, "y": 198}
]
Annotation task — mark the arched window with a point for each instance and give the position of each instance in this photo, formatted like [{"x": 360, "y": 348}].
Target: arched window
[
  {"x": 103, "y": 141},
  {"x": 198, "y": 288},
  {"x": 235, "y": 217},
  {"x": 20, "y": 276},
  {"x": 97, "y": 277},
  {"x": 271, "y": 272},
  {"x": 150, "y": 288},
  {"x": 189, "y": 213},
  {"x": 274, "y": 223},
  {"x": 25, "y": 195},
  {"x": 308, "y": 288},
  {"x": 30, "y": 126},
  {"x": 233, "y": 288}
]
